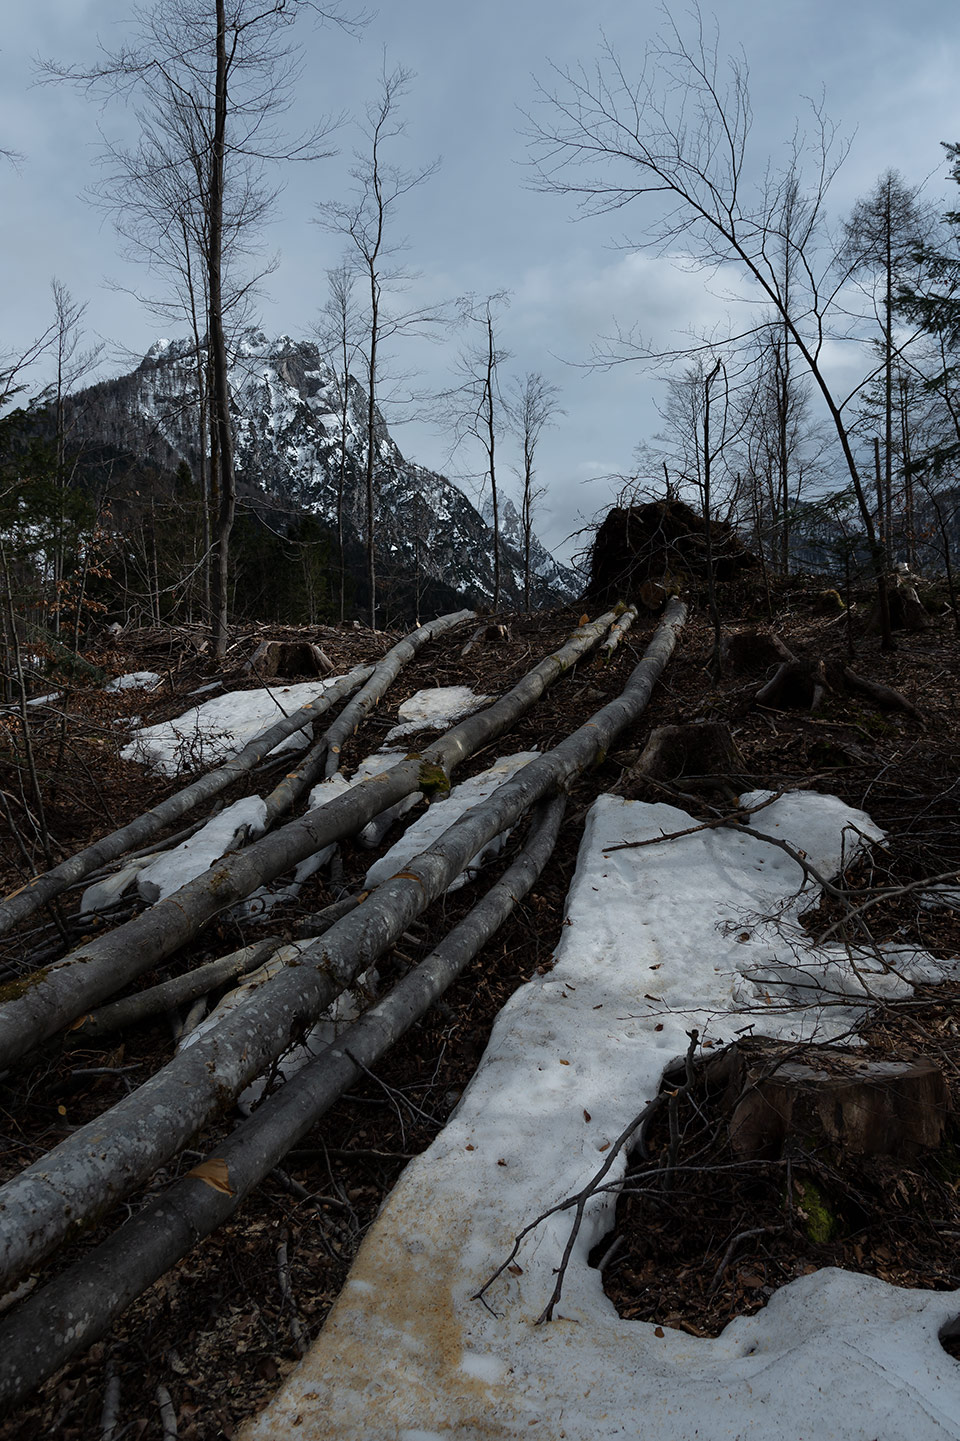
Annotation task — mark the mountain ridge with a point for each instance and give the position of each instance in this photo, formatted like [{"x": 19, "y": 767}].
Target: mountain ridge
[{"x": 287, "y": 406}]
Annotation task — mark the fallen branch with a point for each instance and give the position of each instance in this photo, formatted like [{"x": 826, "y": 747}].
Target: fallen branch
[
  {"x": 176, "y": 992},
  {"x": 77, "y": 1307},
  {"x": 579, "y": 1201}
]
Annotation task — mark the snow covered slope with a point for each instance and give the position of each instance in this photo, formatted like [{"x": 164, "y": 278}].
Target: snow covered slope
[{"x": 288, "y": 426}]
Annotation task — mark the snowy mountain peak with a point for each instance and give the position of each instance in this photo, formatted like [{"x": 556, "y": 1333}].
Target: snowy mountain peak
[{"x": 300, "y": 446}]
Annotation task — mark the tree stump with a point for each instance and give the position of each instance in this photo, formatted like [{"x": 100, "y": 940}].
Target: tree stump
[
  {"x": 745, "y": 651},
  {"x": 830, "y": 1099},
  {"x": 706, "y": 748},
  {"x": 274, "y": 658},
  {"x": 796, "y": 685}
]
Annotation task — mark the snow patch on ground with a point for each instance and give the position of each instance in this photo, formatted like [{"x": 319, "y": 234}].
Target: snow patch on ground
[
  {"x": 435, "y": 709},
  {"x": 220, "y": 727},
  {"x": 441, "y": 815},
  {"x": 134, "y": 680},
  {"x": 192, "y": 857},
  {"x": 699, "y": 932}
]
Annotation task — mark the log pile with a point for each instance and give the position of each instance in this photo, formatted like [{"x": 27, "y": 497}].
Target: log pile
[{"x": 66, "y": 1191}]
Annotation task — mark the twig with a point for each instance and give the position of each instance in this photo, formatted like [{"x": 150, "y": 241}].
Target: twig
[
  {"x": 168, "y": 1416},
  {"x": 735, "y": 1242},
  {"x": 110, "y": 1412},
  {"x": 578, "y": 1200}
]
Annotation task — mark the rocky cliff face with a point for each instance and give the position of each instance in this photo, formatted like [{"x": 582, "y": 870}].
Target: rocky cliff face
[{"x": 291, "y": 448}]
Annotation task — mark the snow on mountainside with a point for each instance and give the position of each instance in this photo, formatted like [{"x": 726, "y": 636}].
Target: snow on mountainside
[{"x": 287, "y": 407}]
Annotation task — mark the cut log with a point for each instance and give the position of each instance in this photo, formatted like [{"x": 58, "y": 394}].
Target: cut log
[
  {"x": 44, "y": 888},
  {"x": 617, "y": 632},
  {"x": 77, "y": 1307},
  {"x": 82, "y": 1177},
  {"x": 491, "y": 631},
  {"x": 42, "y": 1003},
  {"x": 176, "y": 992},
  {"x": 385, "y": 673}
]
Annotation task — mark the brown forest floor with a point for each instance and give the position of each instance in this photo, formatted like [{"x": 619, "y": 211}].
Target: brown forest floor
[{"x": 216, "y": 1332}]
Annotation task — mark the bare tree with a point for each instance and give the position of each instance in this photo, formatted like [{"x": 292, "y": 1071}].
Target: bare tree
[
  {"x": 678, "y": 138},
  {"x": 340, "y": 331},
  {"x": 476, "y": 408},
  {"x": 531, "y": 405},
  {"x": 883, "y": 236},
  {"x": 379, "y": 188},
  {"x": 209, "y": 82}
]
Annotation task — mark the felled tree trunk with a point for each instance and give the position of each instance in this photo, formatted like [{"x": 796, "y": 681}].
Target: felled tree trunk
[
  {"x": 385, "y": 673},
  {"x": 43, "y": 1002},
  {"x": 44, "y": 888},
  {"x": 327, "y": 749},
  {"x": 77, "y": 1307},
  {"x": 83, "y": 1176}
]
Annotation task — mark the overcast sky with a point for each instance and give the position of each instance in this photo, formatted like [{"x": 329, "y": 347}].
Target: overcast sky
[{"x": 888, "y": 71}]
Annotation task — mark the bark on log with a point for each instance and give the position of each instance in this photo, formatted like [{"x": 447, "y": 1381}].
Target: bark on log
[
  {"x": 176, "y": 992},
  {"x": 834, "y": 1099},
  {"x": 617, "y": 632},
  {"x": 385, "y": 673},
  {"x": 282, "y": 798},
  {"x": 82, "y": 1177},
  {"x": 40, "y": 1004},
  {"x": 77, "y": 1307},
  {"x": 46, "y": 887}
]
